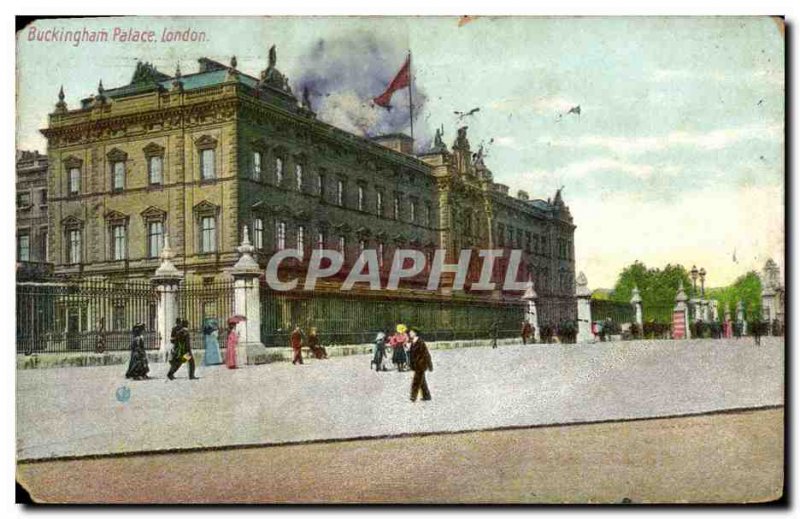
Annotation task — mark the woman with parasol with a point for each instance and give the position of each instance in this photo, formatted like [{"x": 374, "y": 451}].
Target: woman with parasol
[
  {"x": 232, "y": 340},
  {"x": 137, "y": 367}
]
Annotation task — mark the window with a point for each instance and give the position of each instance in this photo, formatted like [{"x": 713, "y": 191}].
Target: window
[
  {"x": 257, "y": 165},
  {"x": 23, "y": 199},
  {"x": 510, "y": 236},
  {"x": 360, "y": 198},
  {"x": 413, "y": 211},
  {"x": 501, "y": 232},
  {"x": 118, "y": 172},
  {"x": 321, "y": 240},
  {"x": 298, "y": 173},
  {"x": 396, "y": 212},
  {"x": 258, "y": 233},
  {"x": 74, "y": 181},
  {"x": 208, "y": 234},
  {"x": 23, "y": 247},
  {"x": 301, "y": 238},
  {"x": 321, "y": 185},
  {"x": 43, "y": 197},
  {"x": 339, "y": 193},
  {"x": 155, "y": 166},
  {"x": 519, "y": 238},
  {"x": 280, "y": 235},
  {"x": 429, "y": 216},
  {"x": 118, "y": 242},
  {"x": 278, "y": 170},
  {"x": 43, "y": 247},
  {"x": 208, "y": 170},
  {"x": 74, "y": 243},
  {"x": 379, "y": 203},
  {"x": 155, "y": 238}
]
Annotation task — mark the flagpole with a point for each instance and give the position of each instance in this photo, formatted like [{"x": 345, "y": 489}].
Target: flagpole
[{"x": 410, "y": 102}]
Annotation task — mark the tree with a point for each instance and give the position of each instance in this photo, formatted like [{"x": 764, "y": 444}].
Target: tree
[
  {"x": 746, "y": 288},
  {"x": 657, "y": 288}
]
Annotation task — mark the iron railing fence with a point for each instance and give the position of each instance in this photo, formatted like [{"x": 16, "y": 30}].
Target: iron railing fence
[
  {"x": 83, "y": 315},
  {"x": 203, "y": 303},
  {"x": 357, "y": 319}
]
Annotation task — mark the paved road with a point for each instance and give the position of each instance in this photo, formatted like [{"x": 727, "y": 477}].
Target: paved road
[
  {"x": 76, "y": 411},
  {"x": 716, "y": 458}
]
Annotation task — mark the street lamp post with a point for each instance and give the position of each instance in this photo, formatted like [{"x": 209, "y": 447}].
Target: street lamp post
[
  {"x": 702, "y": 282},
  {"x": 693, "y": 273}
]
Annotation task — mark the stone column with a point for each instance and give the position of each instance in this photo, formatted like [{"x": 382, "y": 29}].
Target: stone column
[
  {"x": 584, "y": 295},
  {"x": 740, "y": 316},
  {"x": 681, "y": 306},
  {"x": 636, "y": 301},
  {"x": 247, "y": 303},
  {"x": 728, "y": 323},
  {"x": 768, "y": 304},
  {"x": 166, "y": 281},
  {"x": 530, "y": 297}
]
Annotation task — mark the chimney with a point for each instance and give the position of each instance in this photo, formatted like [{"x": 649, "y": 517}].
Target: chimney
[{"x": 399, "y": 142}]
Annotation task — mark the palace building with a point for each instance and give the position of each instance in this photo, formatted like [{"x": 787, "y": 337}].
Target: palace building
[{"x": 198, "y": 156}]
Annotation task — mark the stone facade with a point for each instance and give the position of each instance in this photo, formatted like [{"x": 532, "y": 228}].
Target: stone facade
[
  {"x": 32, "y": 209},
  {"x": 199, "y": 156}
]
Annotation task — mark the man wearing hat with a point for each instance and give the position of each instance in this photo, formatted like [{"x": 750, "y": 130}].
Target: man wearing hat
[
  {"x": 420, "y": 363},
  {"x": 182, "y": 352}
]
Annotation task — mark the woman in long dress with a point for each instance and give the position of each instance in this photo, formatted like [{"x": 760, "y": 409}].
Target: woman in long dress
[
  {"x": 398, "y": 342},
  {"x": 380, "y": 352},
  {"x": 212, "y": 356},
  {"x": 231, "y": 341},
  {"x": 137, "y": 367}
]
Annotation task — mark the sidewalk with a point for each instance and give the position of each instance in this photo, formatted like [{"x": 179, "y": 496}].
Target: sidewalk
[
  {"x": 76, "y": 411},
  {"x": 112, "y": 358}
]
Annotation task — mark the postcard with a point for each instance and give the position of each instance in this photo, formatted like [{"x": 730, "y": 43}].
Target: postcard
[{"x": 400, "y": 260}]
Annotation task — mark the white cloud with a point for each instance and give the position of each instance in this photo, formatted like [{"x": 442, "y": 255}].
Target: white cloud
[
  {"x": 581, "y": 169},
  {"x": 710, "y": 140}
]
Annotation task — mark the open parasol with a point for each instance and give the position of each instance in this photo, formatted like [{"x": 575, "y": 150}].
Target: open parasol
[{"x": 236, "y": 319}]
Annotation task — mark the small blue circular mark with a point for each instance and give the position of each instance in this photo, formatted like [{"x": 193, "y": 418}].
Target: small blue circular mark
[{"x": 123, "y": 394}]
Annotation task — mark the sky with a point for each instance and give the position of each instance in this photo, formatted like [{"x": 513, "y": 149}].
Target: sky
[{"x": 677, "y": 155}]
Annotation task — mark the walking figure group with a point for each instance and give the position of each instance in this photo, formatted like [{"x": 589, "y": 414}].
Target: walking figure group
[{"x": 409, "y": 351}]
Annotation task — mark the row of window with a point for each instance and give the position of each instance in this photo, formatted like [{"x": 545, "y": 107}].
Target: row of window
[
  {"x": 508, "y": 236},
  {"x": 340, "y": 193},
  {"x": 24, "y": 246},
  {"x": 118, "y": 249},
  {"x": 25, "y": 198}
]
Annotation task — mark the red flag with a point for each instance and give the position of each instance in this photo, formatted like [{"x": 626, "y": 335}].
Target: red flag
[{"x": 400, "y": 81}]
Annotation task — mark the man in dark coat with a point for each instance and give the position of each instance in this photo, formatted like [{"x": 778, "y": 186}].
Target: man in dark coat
[
  {"x": 420, "y": 363},
  {"x": 182, "y": 352}
]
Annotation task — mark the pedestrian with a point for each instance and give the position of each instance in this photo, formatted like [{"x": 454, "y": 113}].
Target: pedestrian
[
  {"x": 379, "y": 353},
  {"x": 211, "y": 354},
  {"x": 296, "y": 340},
  {"x": 313, "y": 344},
  {"x": 397, "y": 342},
  {"x": 137, "y": 367},
  {"x": 420, "y": 363},
  {"x": 231, "y": 343},
  {"x": 182, "y": 352},
  {"x": 100, "y": 341},
  {"x": 757, "y": 330},
  {"x": 494, "y": 330},
  {"x": 173, "y": 337},
  {"x": 526, "y": 331}
]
